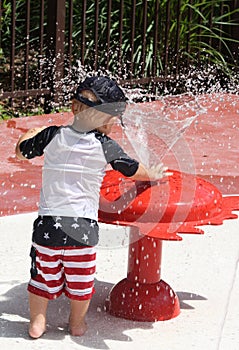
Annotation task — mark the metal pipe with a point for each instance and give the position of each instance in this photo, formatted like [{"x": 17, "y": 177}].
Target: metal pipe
[
  {"x": 144, "y": 258},
  {"x": 96, "y": 33},
  {"x": 12, "y": 54},
  {"x": 83, "y": 30}
]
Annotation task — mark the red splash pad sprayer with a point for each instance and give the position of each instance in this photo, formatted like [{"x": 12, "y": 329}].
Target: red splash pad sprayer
[{"x": 155, "y": 212}]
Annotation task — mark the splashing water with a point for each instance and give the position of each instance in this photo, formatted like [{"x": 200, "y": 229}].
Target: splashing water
[
  {"x": 154, "y": 128},
  {"x": 151, "y": 128}
]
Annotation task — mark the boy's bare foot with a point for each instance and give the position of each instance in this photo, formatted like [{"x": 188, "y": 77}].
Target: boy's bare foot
[
  {"x": 38, "y": 307},
  {"x": 78, "y": 330},
  {"x": 36, "y": 330},
  {"x": 77, "y": 324}
]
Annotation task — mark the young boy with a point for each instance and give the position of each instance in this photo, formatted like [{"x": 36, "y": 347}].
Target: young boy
[{"x": 66, "y": 231}]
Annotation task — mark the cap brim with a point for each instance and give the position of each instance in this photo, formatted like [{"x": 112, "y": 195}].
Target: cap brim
[{"x": 114, "y": 108}]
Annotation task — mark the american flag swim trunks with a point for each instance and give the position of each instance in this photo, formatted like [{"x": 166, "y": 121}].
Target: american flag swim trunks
[{"x": 55, "y": 270}]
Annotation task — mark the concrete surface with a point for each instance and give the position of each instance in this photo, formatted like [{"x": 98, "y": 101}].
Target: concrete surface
[{"x": 203, "y": 270}]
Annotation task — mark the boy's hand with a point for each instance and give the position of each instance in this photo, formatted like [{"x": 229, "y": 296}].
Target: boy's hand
[
  {"x": 158, "y": 172},
  {"x": 154, "y": 173}
]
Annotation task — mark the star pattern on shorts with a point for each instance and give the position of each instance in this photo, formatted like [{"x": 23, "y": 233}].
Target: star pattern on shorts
[
  {"x": 92, "y": 224},
  {"x": 64, "y": 239},
  {"x": 57, "y": 225},
  {"x": 75, "y": 226},
  {"x": 85, "y": 237},
  {"x": 40, "y": 223},
  {"x": 46, "y": 235}
]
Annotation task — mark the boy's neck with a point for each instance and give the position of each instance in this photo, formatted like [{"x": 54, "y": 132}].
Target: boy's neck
[{"x": 81, "y": 125}]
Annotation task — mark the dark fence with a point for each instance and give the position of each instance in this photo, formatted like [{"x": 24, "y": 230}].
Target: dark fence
[{"x": 140, "y": 42}]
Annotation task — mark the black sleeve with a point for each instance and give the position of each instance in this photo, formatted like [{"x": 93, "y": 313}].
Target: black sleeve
[
  {"x": 126, "y": 166},
  {"x": 116, "y": 156},
  {"x": 34, "y": 146}
]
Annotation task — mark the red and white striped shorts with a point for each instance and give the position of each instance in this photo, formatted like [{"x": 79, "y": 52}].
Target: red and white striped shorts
[{"x": 63, "y": 269}]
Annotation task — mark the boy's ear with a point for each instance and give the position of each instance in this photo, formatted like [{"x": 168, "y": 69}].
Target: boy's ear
[
  {"x": 107, "y": 125},
  {"x": 77, "y": 107},
  {"x": 105, "y": 128},
  {"x": 74, "y": 107}
]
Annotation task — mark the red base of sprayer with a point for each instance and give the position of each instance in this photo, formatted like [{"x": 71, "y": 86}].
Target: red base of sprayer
[
  {"x": 143, "y": 295},
  {"x": 143, "y": 302}
]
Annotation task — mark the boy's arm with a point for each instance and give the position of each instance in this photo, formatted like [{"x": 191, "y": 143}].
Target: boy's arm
[
  {"x": 154, "y": 173},
  {"x": 28, "y": 135},
  {"x": 34, "y": 141},
  {"x": 127, "y": 166}
]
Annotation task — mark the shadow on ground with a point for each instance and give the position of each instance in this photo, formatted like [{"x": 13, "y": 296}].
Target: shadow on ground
[{"x": 14, "y": 317}]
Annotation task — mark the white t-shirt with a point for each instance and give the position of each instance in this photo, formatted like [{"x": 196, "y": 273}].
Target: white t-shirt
[{"x": 73, "y": 170}]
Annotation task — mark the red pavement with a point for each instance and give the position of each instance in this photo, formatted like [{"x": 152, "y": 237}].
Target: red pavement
[{"x": 213, "y": 139}]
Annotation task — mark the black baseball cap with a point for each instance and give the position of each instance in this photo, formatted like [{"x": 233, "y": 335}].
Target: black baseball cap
[{"x": 110, "y": 97}]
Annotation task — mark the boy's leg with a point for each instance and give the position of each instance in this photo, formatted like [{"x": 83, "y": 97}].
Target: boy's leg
[
  {"x": 38, "y": 308},
  {"x": 79, "y": 267},
  {"x": 77, "y": 324}
]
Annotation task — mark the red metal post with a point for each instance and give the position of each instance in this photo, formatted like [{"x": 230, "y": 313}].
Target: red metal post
[
  {"x": 144, "y": 260},
  {"x": 143, "y": 296}
]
